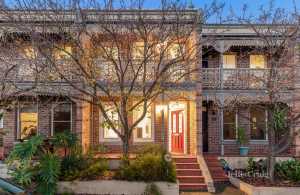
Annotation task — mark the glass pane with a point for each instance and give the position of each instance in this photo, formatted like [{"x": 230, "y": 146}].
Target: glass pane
[
  {"x": 257, "y": 61},
  {"x": 28, "y": 124},
  {"x": 60, "y": 127},
  {"x": 180, "y": 122},
  {"x": 144, "y": 125},
  {"x": 229, "y": 131},
  {"x": 113, "y": 115},
  {"x": 174, "y": 123},
  {"x": 258, "y": 124},
  {"x": 62, "y": 112},
  {"x": 1, "y": 118},
  {"x": 229, "y": 61}
]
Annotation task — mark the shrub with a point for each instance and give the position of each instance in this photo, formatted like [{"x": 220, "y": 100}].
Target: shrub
[
  {"x": 94, "y": 169},
  {"x": 148, "y": 166},
  {"x": 48, "y": 173},
  {"x": 256, "y": 166},
  {"x": 289, "y": 170},
  {"x": 152, "y": 189}
]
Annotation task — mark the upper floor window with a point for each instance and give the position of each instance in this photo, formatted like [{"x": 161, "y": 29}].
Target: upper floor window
[
  {"x": 257, "y": 61},
  {"x": 258, "y": 123},
  {"x": 108, "y": 132},
  {"x": 138, "y": 50},
  {"x": 143, "y": 130},
  {"x": 229, "y": 125},
  {"x": 30, "y": 52},
  {"x": 28, "y": 121},
  {"x": 63, "y": 52},
  {"x": 1, "y": 118},
  {"x": 229, "y": 61},
  {"x": 175, "y": 50},
  {"x": 61, "y": 118}
]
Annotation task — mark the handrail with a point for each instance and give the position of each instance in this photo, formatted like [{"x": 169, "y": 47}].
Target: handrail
[{"x": 10, "y": 187}]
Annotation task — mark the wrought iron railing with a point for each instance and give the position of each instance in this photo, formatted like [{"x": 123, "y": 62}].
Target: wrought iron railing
[{"x": 247, "y": 78}]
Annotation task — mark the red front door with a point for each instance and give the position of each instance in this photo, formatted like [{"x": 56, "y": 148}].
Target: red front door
[{"x": 177, "y": 125}]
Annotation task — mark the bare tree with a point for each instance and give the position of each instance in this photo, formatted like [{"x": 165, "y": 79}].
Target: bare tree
[
  {"x": 277, "y": 30},
  {"x": 119, "y": 60}
]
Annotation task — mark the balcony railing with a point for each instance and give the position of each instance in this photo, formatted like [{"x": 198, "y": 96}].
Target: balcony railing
[{"x": 246, "y": 78}]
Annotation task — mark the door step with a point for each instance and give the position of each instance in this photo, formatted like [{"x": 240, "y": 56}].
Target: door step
[{"x": 189, "y": 174}]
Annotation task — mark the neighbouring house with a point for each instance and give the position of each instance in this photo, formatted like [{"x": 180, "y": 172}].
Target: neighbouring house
[{"x": 189, "y": 119}]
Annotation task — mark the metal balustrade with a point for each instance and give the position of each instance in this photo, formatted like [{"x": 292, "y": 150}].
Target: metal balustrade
[{"x": 246, "y": 78}]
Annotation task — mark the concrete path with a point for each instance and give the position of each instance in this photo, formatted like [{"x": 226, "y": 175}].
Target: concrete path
[{"x": 229, "y": 190}]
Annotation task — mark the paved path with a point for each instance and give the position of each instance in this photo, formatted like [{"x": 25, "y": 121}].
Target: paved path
[{"x": 227, "y": 191}]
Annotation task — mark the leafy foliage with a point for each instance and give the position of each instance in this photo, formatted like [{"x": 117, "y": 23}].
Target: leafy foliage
[
  {"x": 23, "y": 174},
  {"x": 48, "y": 173},
  {"x": 148, "y": 166},
  {"x": 289, "y": 170},
  {"x": 26, "y": 150},
  {"x": 152, "y": 189},
  {"x": 256, "y": 166},
  {"x": 241, "y": 136}
]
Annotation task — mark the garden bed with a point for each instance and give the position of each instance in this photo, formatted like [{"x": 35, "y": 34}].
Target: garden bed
[
  {"x": 263, "y": 190},
  {"x": 265, "y": 182},
  {"x": 115, "y": 187}
]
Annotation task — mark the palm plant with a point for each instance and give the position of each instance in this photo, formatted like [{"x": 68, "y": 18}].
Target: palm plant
[{"x": 66, "y": 140}]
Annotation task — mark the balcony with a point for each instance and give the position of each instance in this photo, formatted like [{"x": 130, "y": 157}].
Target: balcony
[{"x": 246, "y": 78}]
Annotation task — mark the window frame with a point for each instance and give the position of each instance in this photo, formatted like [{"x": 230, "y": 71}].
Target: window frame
[
  {"x": 236, "y": 126},
  {"x": 52, "y": 115},
  {"x": 18, "y": 136},
  {"x": 135, "y": 138},
  {"x": 266, "y": 128},
  {"x": 101, "y": 129}
]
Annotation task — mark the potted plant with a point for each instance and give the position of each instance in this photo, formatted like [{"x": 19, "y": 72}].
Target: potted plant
[{"x": 242, "y": 141}]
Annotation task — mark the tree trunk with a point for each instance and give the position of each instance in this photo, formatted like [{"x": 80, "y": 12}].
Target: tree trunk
[{"x": 125, "y": 150}]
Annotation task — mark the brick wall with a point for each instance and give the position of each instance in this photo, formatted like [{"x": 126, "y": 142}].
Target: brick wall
[{"x": 231, "y": 147}]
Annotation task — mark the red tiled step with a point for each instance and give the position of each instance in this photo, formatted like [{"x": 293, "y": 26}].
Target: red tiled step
[
  {"x": 215, "y": 169},
  {"x": 190, "y": 179},
  {"x": 185, "y": 160},
  {"x": 192, "y": 187},
  {"x": 188, "y": 172},
  {"x": 187, "y": 166},
  {"x": 213, "y": 164}
]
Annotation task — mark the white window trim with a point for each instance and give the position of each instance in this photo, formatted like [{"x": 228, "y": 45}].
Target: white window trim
[
  {"x": 19, "y": 120},
  {"x": 2, "y": 119},
  {"x": 52, "y": 115},
  {"x": 101, "y": 131},
  {"x": 266, "y": 132},
  {"x": 236, "y": 127},
  {"x": 135, "y": 139}
]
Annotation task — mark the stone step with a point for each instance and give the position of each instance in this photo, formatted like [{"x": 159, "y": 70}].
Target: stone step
[
  {"x": 188, "y": 172},
  {"x": 192, "y": 187},
  {"x": 185, "y": 160},
  {"x": 190, "y": 179},
  {"x": 187, "y": 166}
]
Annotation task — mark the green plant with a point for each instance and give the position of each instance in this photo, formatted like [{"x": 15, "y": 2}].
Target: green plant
[
  {"x": 152, "y": 189},
  {"x": 289, "y": 170},
  {"x": 66, "y": 140},
  {"x": 23, "y": 174},
  {"x": 241, "y": 136},
  {"x": 149, "y": 166},
  {"x": 48, "y": 173},
  {"x": 94, "y": 169}
]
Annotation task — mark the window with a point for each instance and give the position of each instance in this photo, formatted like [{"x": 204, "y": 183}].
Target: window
[
  {"x": 257, "y": 61},
  {"x": 175, "y": 50},
  {"x": 144, "y": 129},
  {"x": 30, "y": 52},
  {"x": 62, "y": 118},
  {"x": 63, "y": 52},
  {"x": 28, "y": 121},
  {"x": 138, "y": 50},
  {"x": 108, "y": 132},
  {"x": 229, "y": 125},
  {"x": 258, "y": 123},
  {"x": 229, "y": 61},
  {"x": 1, "y": 118}
]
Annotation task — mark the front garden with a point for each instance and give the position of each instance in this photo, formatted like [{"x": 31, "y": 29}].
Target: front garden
[
  {"x": 39, "y": 164},
  {"x": 287, "y": 173}
]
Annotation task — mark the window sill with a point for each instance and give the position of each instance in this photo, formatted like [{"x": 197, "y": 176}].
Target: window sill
[
  {"x": 229, "y": 141},
  {"x": 143, "y": 140},
  {"x": 110, "y": 140},
  {"x": 264, "y": 142}
]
